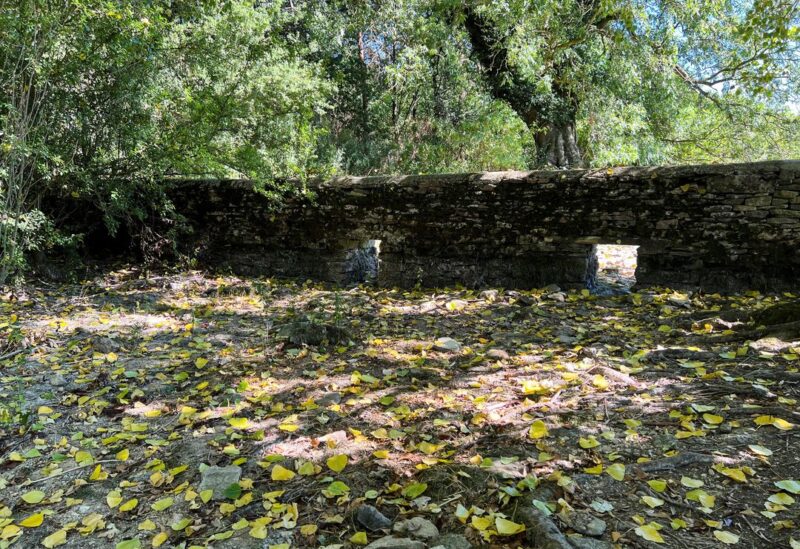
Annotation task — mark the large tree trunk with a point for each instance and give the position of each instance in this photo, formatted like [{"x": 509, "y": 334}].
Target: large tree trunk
[
  {"x": 551, "y": 117},
  {"x": 558, "y": 146}
]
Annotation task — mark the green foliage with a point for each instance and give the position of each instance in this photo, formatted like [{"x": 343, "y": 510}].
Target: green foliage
[{"x": 106, "y": 102}]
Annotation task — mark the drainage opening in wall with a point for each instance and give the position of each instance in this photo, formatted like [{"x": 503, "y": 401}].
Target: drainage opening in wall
[
  {"x": 362, "y": 264},
  {"x": 611, "y": 269}
]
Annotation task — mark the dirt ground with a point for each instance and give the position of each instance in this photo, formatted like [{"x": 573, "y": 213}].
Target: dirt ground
[{"x": 637, "y": 420}]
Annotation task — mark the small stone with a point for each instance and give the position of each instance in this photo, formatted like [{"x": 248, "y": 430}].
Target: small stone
[
  {"x": 417, "y": 528},
  {"x": 561, "y": 297},
  {"x": 372, "y": 519},
  {"x": 589, "y": 543},
  {"x": 391, "y": 542},
  {"x": 32, "y": 400},
  {"x": 221, "y": 340},
  {"x": 680, "y": 301},
  {"x": 551, "y": 289},
  {"x": 489, "y": 295},
  {"x": 585, "y": 523},
  {"x": 329, "y": 398},
  {"x": 452, "y": 541},
  {"x": 57, "y": 380},
  {"x": 427, "y": 307},
  {"x": 497, "y": 354},
  {"x": 447, "y": 344},
  {"x": 567, "y": 339},
  {"x": 105, "y": 345},
  {"x": 219, "y": 479},
  {"x": 526, "y": 300},
  {"x": 335, "y": 437},
  {"x": 278, "y": 537}
]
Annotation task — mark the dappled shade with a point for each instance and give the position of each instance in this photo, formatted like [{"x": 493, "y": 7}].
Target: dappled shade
[{"x": 177, "y": 409}]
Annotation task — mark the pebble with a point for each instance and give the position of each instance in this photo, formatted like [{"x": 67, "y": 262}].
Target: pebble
[
  {"x": 585, "y": 523},
  {"x": 417, "y": 528},
  {"x": 447, "y": 344},
  {"x": 219, "y": 479},
  {"x": 391, "y": 542},
  {"x": 497, "y": 354},
  {"x": 451, "y": 541},
  {"x": 105, "y": 345}
]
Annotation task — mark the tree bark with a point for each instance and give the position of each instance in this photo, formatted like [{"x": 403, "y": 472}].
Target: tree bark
[
  {"x": 558, "y": 146},
  {"x": 551, "y": 117}
]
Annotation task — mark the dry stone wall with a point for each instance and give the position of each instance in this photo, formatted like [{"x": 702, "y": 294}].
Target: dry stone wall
[{"x": 717, "y": 227}]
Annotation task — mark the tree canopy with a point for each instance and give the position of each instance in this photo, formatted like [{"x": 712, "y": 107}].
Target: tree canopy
[{"x": 107, "y": 100}]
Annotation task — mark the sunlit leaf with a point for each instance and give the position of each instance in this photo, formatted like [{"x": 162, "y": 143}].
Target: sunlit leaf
[
  {"x": 34, "y": 496},
  {"x": 649, "y": 532},
  {"x": 508, "y": 528},
  {"x": 791, "y": 486},
  {"x": 32, "y": 521},
  {"x": 280, "y": 473},
  {"x": 59, "y": 537},
  {"x": 336, "y": 463},
  {"x": 616, "y": 471},
  {"x": 538, "y": 429},
  {"x": 725, "y": 537}
]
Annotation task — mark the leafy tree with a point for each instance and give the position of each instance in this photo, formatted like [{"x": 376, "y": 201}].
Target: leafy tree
[{"x": 108, "y": 101}]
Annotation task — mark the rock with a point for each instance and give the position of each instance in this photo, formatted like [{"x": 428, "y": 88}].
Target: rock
[
  {"x": 336, "y": 437},
  {"x": 680, "y": 301},
  {"x": 57, "y": 380},
  {"x": 561, "y": 297},
  {"x": 452, "y": 541},
  {"x": 584, "y": 523},
  {"x": 427, "y": 307},
  {"x": 221, "y": 340},
  {"x": 531, "y": 359},
  {"x": 278, "y": 537},
  {"x": 497, "y": 354},
  {"x": 372, "y": 519},
  {"x": 417, "y": 528},
  {"x": 239, "y": 541},
  {"x": 489, "y": 295},
  {"x": 541, "y": 531},
  {"x": 391, "y": 542},
  {"x": 447, "y": 344},
  {"x": 329, "y": 398},
  {"x": 219, "y": 479},
  {"x": 770, "y": 344},
  {"x": 105, "y": 345},
  {"x": 589, "y": 543},
  {"x": 551, "y": 289},
  {"x": 32, "y": 400},
  {"x": 567, "y": 339},
  {"x": 526, "y": 300}
]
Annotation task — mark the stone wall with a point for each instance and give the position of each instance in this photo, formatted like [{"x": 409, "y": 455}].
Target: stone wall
[{"x": 718, "y": 227}]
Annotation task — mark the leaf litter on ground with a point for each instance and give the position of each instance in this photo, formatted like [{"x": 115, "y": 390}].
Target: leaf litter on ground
[{"x": 626, "y": 409}]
